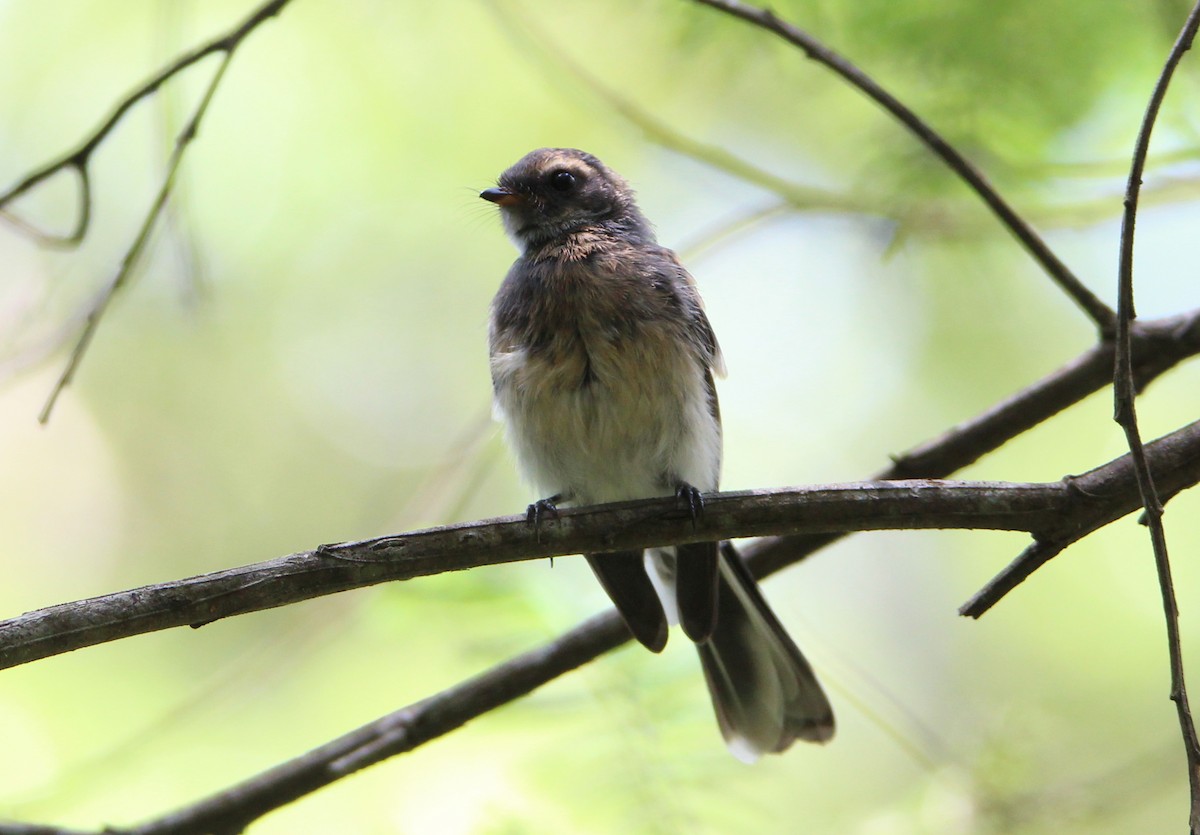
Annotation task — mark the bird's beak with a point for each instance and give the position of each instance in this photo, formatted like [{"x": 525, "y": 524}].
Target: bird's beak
[{"x": 500, "y": 196}]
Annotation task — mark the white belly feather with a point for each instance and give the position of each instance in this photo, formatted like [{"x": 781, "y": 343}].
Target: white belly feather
[{"x": 641, "y": 425}]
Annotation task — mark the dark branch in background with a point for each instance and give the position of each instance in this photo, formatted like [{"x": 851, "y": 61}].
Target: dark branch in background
[
  {"x": 1158, "y": 345},
  {"x": 537, "y": 44},
  {"x": 1100, "y": 313},
  {"x": 531, "y": 40},
  {"x": 79, "y": 160},
  {"x": 233, "y": 809},
  {"x": 1125, "y": 414}
]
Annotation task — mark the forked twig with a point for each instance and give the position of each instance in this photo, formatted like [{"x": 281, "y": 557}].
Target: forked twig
[{"x": 79, "y": 159}]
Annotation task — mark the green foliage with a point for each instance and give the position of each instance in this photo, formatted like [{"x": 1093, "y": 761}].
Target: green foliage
[{"x": 303, "y": 360}]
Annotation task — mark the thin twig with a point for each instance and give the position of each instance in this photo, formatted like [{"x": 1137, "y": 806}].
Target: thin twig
[
  {"x": 177, "y": 229},
  {"x": 1016, "y": 572},
  {"x": 532, "y": 42},
  {"x": 1099, "y": 312},
  {"x": 1125, "y": 412},
  {"x": 78, "y": 160},
  {"x": 712, "y": 238},
  {"x": 185, "y": 137}
]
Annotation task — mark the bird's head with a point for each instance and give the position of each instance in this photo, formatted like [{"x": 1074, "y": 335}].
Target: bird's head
[{"x": 551, "y": 192}]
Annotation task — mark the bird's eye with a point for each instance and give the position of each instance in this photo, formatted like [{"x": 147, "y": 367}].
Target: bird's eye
[{"x": 562, "y": 180}]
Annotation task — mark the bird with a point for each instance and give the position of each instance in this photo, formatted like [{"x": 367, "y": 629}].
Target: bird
[{"x": 603, "y": 362}]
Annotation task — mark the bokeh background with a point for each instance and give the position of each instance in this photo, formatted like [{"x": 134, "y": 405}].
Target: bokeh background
[{"x": 302, "y": 360}]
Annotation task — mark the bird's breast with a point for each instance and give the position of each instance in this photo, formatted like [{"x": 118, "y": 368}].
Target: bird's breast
[{"x": 604, "y": 415}]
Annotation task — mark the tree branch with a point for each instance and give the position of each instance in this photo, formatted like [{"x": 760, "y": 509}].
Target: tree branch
[
  {"x": 138, "y": 246},
  {"x": 531, "y": 41},
  {"x": 1125, "y": 414},
  {"x": 1067, "y": 281},
  {"x": 1158, "y": 346},
  {"x": 1080, "y": 506},
  {"x": 79, "y": 159},
  {"x": 397, "y": 733},
  {"x": 1050, "y": 512}
]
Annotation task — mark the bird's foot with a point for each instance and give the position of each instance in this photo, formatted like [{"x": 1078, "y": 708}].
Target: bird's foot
[
  {"x": 692, "y": 499},
  {"x": 539, "y": 510}
]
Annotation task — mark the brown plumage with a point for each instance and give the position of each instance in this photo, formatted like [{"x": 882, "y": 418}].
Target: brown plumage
[{"x": 602, "y": 367}]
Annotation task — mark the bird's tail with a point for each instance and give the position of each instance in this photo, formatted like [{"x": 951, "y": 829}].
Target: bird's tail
[
  {"x": 764, "y": 692},
  {"x": 623, "y": 576}
]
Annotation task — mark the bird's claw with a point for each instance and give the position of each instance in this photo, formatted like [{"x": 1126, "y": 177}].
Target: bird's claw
[
  {"x": 693, "y": 500},
  {"x": 539, "y": 510}
]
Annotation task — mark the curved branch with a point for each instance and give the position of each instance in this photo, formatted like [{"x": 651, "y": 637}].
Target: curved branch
[
  {"x": 79, "y": 158},
  {"x": 533, "y": 42},
  {"x": 1125, "y": 414},
  {"x": 1059, "y": 272},
  {"x": 186, "y": 136}
]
